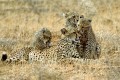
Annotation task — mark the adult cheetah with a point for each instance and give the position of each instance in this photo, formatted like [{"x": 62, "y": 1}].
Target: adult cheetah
[
  {"x": 66, "y": 48},
  {"x": 42, "y": 41}
]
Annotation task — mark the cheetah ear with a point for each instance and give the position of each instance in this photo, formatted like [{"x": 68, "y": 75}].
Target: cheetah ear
[
  {"x": 43, "y": 30},
  {"x": 81, "y": 16},
  {"x": 63, "y": 31},
  {"x": 65, "y": 15}
]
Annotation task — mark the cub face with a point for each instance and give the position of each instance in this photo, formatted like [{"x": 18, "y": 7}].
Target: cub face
[
  {"x": 84, "y": 24},
  {"x": 71, "y": 19},
  {"x": 42, "y": 39}
]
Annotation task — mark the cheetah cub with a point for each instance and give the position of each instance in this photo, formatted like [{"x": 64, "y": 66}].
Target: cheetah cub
[
  {"x": 71, "y": 18},
  {"x": 89, "y": 47},
  {"x": 42, "y": 39}
]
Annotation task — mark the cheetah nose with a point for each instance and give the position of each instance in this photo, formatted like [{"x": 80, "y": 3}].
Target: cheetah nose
[{"x": 90, "y": 20}]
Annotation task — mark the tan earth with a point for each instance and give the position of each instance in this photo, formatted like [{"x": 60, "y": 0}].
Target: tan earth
[{"x": 20, "y": 19}]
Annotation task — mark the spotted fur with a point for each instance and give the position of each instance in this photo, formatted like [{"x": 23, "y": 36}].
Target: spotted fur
[{"x": 88, "y": 47}]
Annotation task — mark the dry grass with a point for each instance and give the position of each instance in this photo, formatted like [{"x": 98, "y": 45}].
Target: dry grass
[{"x": 19, "y": 19}]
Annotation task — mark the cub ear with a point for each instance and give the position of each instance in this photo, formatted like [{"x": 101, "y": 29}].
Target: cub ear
[
  {"x": 43, "y": 30},
  {"x": 65, "y": 15},
  {"x": 81, "y": 16},
  {"x": 63, "y": 31}
]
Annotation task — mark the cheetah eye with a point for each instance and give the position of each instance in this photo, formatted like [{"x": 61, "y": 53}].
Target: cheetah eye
[
  {"x": 82, "y": 27},
  {"x": 90, "y": 20},
  {"x": 74, "y": 16},
  {"x": 81, "y": 16}
]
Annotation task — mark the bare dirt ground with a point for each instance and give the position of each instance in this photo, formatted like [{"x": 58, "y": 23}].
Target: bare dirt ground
[{"x": 19, "y": 19}]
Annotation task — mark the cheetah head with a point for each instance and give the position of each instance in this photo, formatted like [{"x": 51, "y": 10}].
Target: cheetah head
[
  {"x": 71, "y": 18},
  {"x": 42, "y": 39},
  {"x": 84, "y": 24},
  {"x": 46, "y": 33}
]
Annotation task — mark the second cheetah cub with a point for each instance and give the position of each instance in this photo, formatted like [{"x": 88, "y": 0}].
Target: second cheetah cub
[{"x": 42, "y": 39}]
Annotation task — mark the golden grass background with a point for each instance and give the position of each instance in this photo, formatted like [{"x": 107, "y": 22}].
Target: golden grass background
[{"x": 19, "y": 19}]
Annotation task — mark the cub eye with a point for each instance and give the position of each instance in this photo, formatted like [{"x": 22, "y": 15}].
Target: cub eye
[
  {"x": 74, "y": 16},
  {"x": 81, "y": 16},
  {"x": 90, "y": 20}
]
